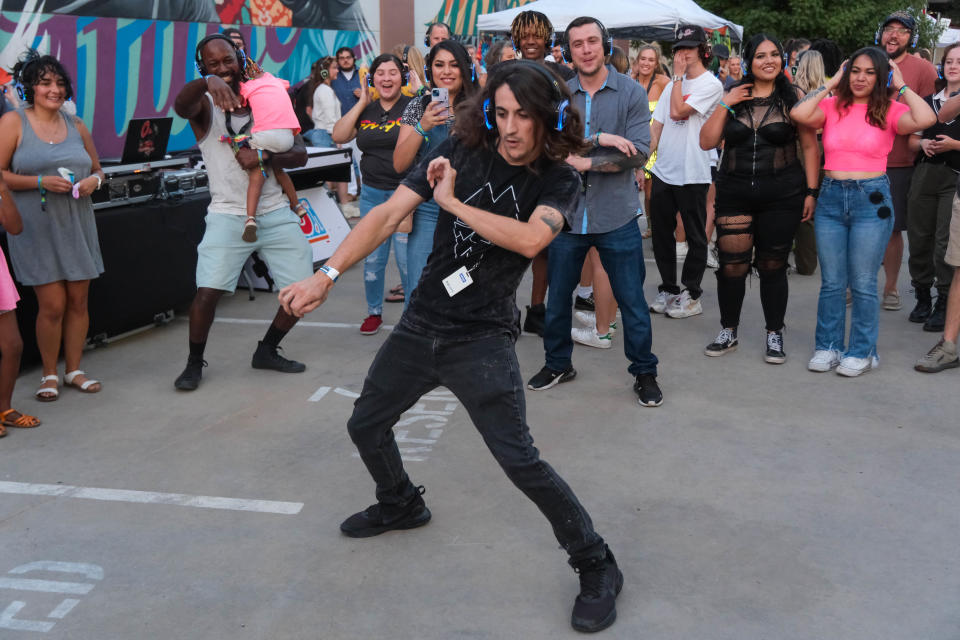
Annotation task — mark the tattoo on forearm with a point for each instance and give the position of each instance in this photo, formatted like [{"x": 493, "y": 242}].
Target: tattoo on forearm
[
  {"x": 553, "y": 219},
  {"x": 812, "y": 94}
]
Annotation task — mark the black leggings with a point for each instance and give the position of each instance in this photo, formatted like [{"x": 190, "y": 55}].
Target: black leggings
[{"x": 761, "y": 214}]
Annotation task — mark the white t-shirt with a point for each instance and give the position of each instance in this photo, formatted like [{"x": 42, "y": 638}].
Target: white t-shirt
[
  {"x": 680, "y": 160},
  {"x": 326, "y": 108}
]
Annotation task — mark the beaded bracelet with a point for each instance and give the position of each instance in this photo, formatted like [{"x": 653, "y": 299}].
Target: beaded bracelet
[
  {"x": 43, "y": 193},
  {"x": 263, "y": 171},
  {"x": 728, "y": 107}
]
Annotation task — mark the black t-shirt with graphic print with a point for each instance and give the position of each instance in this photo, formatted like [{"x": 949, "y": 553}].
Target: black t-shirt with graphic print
[
  {"x": 377, "y": 134},
  {"x": 486, "y": 181}
]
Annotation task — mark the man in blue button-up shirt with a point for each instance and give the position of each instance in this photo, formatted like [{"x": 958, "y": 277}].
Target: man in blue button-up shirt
[{"x": 617, "y": 122}]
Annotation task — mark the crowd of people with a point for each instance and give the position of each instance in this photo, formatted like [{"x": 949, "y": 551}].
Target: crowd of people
[{"x": 542, "y": 151}]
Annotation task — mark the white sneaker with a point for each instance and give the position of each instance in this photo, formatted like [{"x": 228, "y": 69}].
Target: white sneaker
[
  {"x": 662, "y": 301},
  {"x": 853, "y": 367},
  {"x": 589, "y": 337},
  {"x": 683, "y": 306},
  {"x": 712, "y": 261},
  {"x": 589, "y": 319},
  {"x": 681, "y": 250},
  {"x": 824, "y": 360}
]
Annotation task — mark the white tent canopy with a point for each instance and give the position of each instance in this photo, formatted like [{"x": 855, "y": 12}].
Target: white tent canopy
[{"x": 636, "y": 19}]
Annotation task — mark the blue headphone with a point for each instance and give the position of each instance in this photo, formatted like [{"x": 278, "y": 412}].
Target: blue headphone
[
  {"x": 561, "y": 104},
  {"x": 241, "y": 56},
  {"x": 431, "y": 55},
  {"x": 553, "y": 43}
]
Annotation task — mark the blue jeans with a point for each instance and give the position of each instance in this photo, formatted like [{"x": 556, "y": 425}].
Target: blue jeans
[
  {"x": 420, "y": 243},
  {"x": 375, "y": 264},
  {"x": 621, "y": 253},
  {"x": 484, "y": 375},
  {"x": 854, "y": 222}
]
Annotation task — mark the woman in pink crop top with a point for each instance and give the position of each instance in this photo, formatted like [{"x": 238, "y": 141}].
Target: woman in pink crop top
[{"x": 854, "y": 210}]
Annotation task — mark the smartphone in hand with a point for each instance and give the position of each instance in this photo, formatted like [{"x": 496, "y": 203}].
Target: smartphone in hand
[{"x": 441, "y": 95}]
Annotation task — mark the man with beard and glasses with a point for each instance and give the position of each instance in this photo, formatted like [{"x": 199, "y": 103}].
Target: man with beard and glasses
[
  {"x": 896, "y": 35},
  {"x": 504, "y": 192},
  {"x": 617, "y": 118},
  {"x": 213, "y": 108}
]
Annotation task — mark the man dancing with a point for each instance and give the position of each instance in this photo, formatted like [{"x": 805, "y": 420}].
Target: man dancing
[
  {"x": 504, "y": 193},
  {"x": 212, "y": 106}
]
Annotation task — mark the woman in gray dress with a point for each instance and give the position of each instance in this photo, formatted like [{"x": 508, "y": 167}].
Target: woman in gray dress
[{"x": 51, "y": 166}]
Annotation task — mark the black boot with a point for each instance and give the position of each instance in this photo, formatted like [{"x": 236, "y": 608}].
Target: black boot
[
  {"x": 924, "y": 306},
  {"x": 600, "y": 583},
  {"x": 536, "y": 317},
  {"x": 938, "y": 317}
]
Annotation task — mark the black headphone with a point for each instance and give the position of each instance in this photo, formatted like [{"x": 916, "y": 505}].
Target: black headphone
[
  {"x": 604, "y": 35},
  {"x": 914, "y": 31},
  {"x": 426, "y": 38},
  {"x": 553, "y": 43},
  {"x": 388, "y": 57},
  {"x": 241, "y": 56},
  {"x": 406, "y": 50},
  {"x": 560, "y": 103},
  {"x": 431, "y": 55}
]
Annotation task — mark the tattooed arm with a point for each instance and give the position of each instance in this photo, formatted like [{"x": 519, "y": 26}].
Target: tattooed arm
[{"x": 808, "y": 112}]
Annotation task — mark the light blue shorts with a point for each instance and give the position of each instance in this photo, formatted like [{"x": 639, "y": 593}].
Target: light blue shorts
[{"x": 222, "y": 252}]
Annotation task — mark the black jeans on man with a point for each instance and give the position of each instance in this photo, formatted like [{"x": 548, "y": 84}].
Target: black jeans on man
[
  {"x": 485, "y": 376},
  {"x": 691, "y": 201}
]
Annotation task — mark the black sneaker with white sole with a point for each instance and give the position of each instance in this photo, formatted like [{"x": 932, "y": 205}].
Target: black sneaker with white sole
[
  {"x": 726, "y": 341},
  {"x": 648, "y": 391},
  {"x": 775, "y": 354},
  {"x": 549, "y": 378}
]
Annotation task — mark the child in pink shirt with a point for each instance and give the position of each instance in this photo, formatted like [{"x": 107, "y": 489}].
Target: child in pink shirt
[{"x": 274, "y": 126}]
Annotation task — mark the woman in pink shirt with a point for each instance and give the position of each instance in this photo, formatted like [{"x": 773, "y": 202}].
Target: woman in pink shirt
[{"x": 854, "y": 210}]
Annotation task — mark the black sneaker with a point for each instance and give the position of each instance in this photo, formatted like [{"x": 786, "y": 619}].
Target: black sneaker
[
  {"x": 536, "y": 317},
  {"x": 775, "y": 354},
  {"x": 938, "y": 317},
  {"x": 267, "y": 357},
  {"x": 585, "y": 304},
  {"x": 924, "y": 306},
  {"x": 549, "y": 378},
  {"x": 380, "y": 518},
  {"x": 600, "y": 583},
  {"x": 726, "y": 341},
  {"x": 648, "y": 390},
  {"x": 190, "y": 378}
]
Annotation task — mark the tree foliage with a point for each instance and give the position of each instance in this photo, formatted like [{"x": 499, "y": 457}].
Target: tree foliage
[{"x": 850, "y": 24}]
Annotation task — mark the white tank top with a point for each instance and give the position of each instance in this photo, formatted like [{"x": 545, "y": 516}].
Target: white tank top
[{"x": 228, "y": 181}]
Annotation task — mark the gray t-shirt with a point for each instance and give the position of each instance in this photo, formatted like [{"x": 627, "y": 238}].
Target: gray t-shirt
[{"x": 228, "y": 180}]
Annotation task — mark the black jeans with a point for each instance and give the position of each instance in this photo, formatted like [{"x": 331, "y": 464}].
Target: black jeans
[
  {"x": 485, "y": 376},
  {"x": 757, "y": 220},
  {"x": 691, "y": 201}
]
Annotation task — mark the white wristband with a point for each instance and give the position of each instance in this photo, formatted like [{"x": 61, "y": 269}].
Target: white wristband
[
  {"x": 330, "y": 272},
  {"x": 99, "y": 181}
]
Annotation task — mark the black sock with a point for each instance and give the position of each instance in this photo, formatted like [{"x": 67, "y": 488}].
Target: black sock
[
  {"x": 274, "y": 335},
  {"x": 196, "y": 349}
]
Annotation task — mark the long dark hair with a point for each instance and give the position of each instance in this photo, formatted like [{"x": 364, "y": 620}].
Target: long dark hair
[
  {"x": 31, "y": 68},
  {"x": 536, "y": 96},
  {"x": 784, "y": 92},
  {"x": 879, "y": 101},
  {"x": 468, "y": 77}
]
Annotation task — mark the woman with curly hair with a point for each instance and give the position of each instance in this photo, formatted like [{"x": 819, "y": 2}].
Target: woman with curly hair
[{"x": 855, "y": 210}]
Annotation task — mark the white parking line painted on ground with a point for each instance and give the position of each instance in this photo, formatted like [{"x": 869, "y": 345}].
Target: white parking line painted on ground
[
  {"x": 46, "y": 586},
  {"x": 152, "y": 497}
]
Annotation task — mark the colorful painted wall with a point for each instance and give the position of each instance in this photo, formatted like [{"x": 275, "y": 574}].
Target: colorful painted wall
[{"x": 125, "y": 65}]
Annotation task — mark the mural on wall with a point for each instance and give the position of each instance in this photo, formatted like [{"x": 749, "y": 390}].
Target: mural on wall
[
  {"x": 124, "y": 68},
  {"x": 314, "y": 14}
]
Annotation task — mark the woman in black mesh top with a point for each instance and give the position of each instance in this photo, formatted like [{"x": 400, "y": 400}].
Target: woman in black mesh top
[{"x": 763, "y": 191}]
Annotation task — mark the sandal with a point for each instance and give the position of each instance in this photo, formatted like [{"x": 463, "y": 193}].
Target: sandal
[
  {"x": 82, "y": 386},
  {"x": 48, "y": 394},
  {"x": 22, "y": 420},
  {"x": 396, "y": 294}
]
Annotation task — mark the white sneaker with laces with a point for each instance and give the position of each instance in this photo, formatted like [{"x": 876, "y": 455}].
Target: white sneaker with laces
[
  {"x": 588, "y": 336},
  {"x": 589, "y": 319},
  {"x": 684, "y": 306},
  {"x": 682, "y": 249},
  {"x": 824, "y": 360},
  {"x": 852, "y": 367},
  {"x": 712, "y": 261},
  {"x": 662, "y": 301}
]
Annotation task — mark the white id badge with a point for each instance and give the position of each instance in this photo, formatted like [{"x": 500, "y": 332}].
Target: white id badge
[{"x": 457, "y": 281}]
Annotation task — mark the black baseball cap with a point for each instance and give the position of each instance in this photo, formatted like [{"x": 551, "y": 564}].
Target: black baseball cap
[
  {"x": 903, "y": 18},
  {"x": 690, "y": 35},
  {"x": 721, "y": 51}
]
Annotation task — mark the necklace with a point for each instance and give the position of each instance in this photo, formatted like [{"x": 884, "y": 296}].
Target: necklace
[{"x": 43, "y": 132}]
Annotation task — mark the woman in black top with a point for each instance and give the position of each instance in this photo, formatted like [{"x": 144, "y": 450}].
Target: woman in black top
[
  {"x": 763, "y": 192},
  {"x": 930, "y": 201}
]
